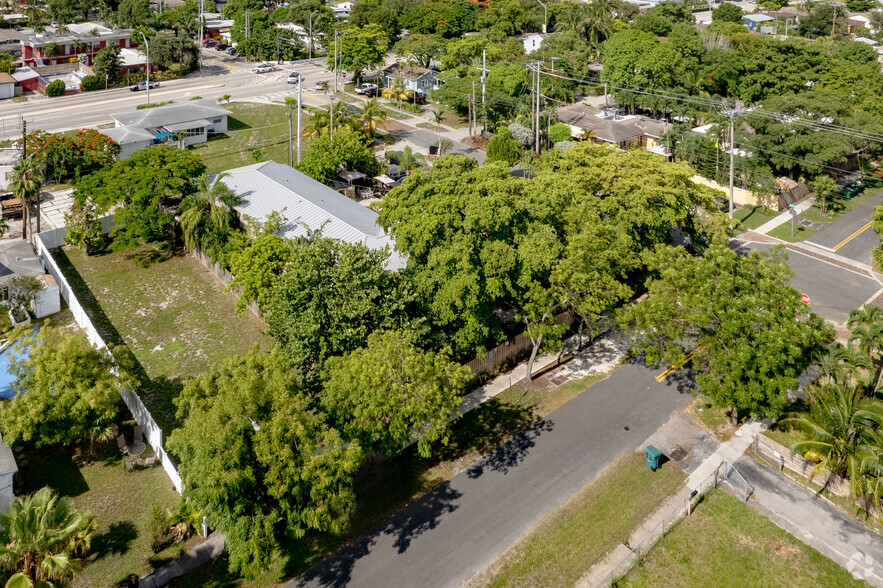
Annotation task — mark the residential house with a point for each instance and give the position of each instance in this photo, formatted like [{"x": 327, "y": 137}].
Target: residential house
[
  {"x": 9, "y": 158},
  {"x": 196, "y": 119},
  {"x": 307, "y": 205},
  {"x": 609, "y": 126},
  {"x": 532, "y": 41},
  {"x": 17, "y": 258},
  {"x": 27, "y": 78},
  {"x": 302, "y": 34},
  {"x": 754, "y": 21},
  {"x": 7, "y": 86},
  {"x": 10, "y": 41},
  {"x": 342, "y": 9},
  {"x": 79, "y": 44},
  {"x": 415, "y": 78},
  {"x": 130, "y": 139}
]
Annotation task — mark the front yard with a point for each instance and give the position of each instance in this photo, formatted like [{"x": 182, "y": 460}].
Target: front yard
[
  {"x": 726, "y": 543},
  {"x": 171, "y": 312}
]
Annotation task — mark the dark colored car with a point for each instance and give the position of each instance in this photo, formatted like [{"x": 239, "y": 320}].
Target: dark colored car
[
  {"x": 221, "y": 47},
  {"x": 231, "y": 51},
  {"x": 852, "y": 190}
]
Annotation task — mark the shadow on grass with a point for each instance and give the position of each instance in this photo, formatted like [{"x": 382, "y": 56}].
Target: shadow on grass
[
  {"x": 157, "y": 394},
  {"x": 54, "y": 467},
  {"x": 145, "y": 257},
  {"x": 116, "y": 541},
  {"x": 234, "y": 124}
]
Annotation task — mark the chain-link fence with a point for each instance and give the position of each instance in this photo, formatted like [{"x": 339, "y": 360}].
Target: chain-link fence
[{"x": 724, "y": 472}]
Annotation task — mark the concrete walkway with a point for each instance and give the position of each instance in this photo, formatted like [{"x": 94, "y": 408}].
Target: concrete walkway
[
  {"x": 813, "y": 520},
  {"x": 785, "y": 217},
  {"x": 192, "y": 559}
]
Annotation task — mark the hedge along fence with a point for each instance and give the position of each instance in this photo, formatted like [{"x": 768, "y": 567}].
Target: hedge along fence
[{"x": 48, "y": 240}]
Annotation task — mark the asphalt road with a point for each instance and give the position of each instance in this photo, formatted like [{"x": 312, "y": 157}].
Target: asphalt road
[
  {"x": 833, "y": 290},
  {"x": 423, "y": 138},
  {"x": 852, "y": 236},
  {"x": 461, "y": 527}
]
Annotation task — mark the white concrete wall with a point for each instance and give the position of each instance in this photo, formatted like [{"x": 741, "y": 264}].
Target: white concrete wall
[
  {"x": 7, "y": 91},
  {"x": 47, "y": 301},
  {"x": 128, "y": 149}
]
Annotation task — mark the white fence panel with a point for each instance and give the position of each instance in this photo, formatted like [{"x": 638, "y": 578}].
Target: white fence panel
[{"x": 55, "y": 238}]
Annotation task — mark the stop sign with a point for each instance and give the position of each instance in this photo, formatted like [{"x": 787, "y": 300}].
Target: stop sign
[
  {"x": 805, "y": 298},
  {"x": 344, "y": 74}
]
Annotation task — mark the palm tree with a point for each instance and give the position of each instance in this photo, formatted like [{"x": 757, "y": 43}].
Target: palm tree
[
  {"x": 409, "y": 160},
  {"x": 207, "y": 216},
  {"x": 319, "y": 123},
  {"x": 371, "y": 118},
  {"x": 27, "y": 180},
  {"x": 841, "y": 428},
  {"x": 397, "y": 92},
  {"x": 843, "y": 364},
  {"x": 867, "y": 329},
  {"x": 101, "y": 430},
  {"x": 38, "y": 531}
]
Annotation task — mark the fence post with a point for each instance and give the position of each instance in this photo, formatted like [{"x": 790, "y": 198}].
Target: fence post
[
  {"x": 756, "y": 440},
  {"x": 781, "y": 462}
]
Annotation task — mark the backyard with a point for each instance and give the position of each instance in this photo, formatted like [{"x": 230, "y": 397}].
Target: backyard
[
  {"x": 121, "y": 502},
  {"x": 170, "y": 311},
  {"x": 255, "y": 133},
  {"x": 725, "y": 542}
]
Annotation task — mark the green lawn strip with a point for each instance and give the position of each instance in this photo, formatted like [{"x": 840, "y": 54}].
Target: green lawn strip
[
  {"x": 837, "y": 207},
  {"x": 173, "y": 315},
  {"x": 711, "y": 417},
  {"x": 252, "y": 126},
  {"x": 752, "y": 217},
  {"x": 569, "y": 541},
  {"x": 725, "y": 542},
  {"x": 783, "y": 232},
  {"x": 385, "y": 486},
  {"x": 121, "y": 502},
  {"x": 431, "y": 127}
]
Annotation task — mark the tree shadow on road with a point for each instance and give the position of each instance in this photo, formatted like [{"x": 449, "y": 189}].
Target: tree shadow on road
[{"x": 509, "y": 455}]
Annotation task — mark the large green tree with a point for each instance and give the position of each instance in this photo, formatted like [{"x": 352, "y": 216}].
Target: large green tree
[
  {"x": 64, "y": 387},
  {"x": 328, "y": 154},
  {"x": 748, "y": 324},
  {"x": 403, "y": 393},
  {"x": 256, "y": 268},
  {"x": 145, "y": 186},
  {"x": 207, "y": 217},
  {"x": 258, "y": 461}
]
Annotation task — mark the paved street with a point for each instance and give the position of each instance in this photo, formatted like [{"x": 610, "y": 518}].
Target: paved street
[
  {"x": 423, "y": 139},
  {"x": 852, "y": 236},
  {"x": 833, "y": 290},
  {"x": 464, "y": 525}
]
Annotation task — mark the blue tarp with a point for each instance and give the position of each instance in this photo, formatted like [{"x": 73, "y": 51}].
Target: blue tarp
[{"x": 16, "y": 351}]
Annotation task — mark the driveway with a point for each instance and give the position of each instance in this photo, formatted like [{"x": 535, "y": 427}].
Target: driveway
[
  {"x": 423, "y": 139},
  {"x": 851, "y": 236},
  {"x": 833, "y": 290},
  {"x": 462, "y": 526}
]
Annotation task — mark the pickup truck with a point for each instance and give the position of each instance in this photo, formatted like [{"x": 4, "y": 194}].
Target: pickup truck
[{"x": 368, "y": 90}]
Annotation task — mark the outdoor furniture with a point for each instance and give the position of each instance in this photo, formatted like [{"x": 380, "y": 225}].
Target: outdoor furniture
[
  {"x": 121, "y": 444},
  {"x": 11, "y": 207},
  {"x": 137, "y": 448},
  {"x": 139, "y": 435},
  {"x": 150, "y": 461},
  {"x": 130, "y": 465}
]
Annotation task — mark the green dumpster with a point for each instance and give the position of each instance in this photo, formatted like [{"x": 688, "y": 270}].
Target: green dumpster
[{"x": 653, "y": 456}]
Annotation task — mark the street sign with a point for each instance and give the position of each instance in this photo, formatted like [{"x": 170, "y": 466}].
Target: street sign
[
  {"x": 805, "y": 298},
  {"x": 344, "y": 75}
]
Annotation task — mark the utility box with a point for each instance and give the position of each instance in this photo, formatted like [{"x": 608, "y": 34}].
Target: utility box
[{"x": 653, "y": 456}]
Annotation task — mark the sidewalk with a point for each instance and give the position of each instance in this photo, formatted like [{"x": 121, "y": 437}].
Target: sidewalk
[
  {"x": 785, "y": 216},
  {"x": 810, "y": 518}
]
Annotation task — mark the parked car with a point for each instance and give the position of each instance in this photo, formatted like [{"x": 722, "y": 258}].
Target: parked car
[
  {"x": 143, "y": 86},
  {"x": 209, "y": 42},
  {"x": 264, "y": 68},
  {"x": 231, "y": 51},
  {"x": 293, "y": 77},
  {"x": 221, "y": 47},
  {"x": 320, "y": 86},
  {"x": 368, "y": 90}
]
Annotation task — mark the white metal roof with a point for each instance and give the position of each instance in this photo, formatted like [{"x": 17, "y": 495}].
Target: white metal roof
[
  {"x": 270, "y": 187},
  {"x": 170, "y": 114},
  {"x": 127, "y": 135}
]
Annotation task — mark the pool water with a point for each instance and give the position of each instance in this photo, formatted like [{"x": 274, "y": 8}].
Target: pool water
[{"x": 16, "y": 351}]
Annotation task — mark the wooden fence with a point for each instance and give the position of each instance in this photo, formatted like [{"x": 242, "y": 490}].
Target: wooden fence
[
  {"x": 783, "y": 458},
  {"x": 224, "y": 276}
]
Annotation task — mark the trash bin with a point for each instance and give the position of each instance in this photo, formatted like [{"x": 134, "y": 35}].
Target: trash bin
[
  {"x": 433, "y": 149},
  {"x": 653, "y": 456}
]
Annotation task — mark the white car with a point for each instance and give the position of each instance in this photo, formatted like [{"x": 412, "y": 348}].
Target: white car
[
  {"x": 264, "y": 68},
  {"x": 293, "y": 77}
]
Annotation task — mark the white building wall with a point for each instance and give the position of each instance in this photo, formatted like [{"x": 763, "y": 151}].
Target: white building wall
[
  {"x": 7, "y": 91},
  {"x": 128, "y": 149}
]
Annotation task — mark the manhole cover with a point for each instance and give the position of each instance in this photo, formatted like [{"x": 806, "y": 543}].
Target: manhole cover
[{"x": 678, "y": 454}]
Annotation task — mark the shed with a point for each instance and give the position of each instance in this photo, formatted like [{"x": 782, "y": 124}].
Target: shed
[
  {"x": 752, "y": 21},
  {"x": 7, "y": 86}
]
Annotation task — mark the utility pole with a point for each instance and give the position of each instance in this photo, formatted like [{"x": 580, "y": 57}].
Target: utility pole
[
  {"x": 300, "y": 83},
  {"x": 545, "y": 17},
  {"x": 470, "y": 102},
  {"x": 311, "y": 40},
  {"x": 537, "y": 95},
  {"x": 147, "y": 54},
  {"x": 335, "y": 60},
  {"x": 732, "y": 154},
  {"x": 24, "y": 156},
  {"x": 290, "y": 140},
  {"x": 484, "y": 71},
  {"x": 247, "y": 44},
  {"x": 834, "y": 23},
  {"x": 201, "y": 32}
]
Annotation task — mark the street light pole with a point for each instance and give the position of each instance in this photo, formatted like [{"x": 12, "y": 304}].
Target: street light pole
[
  {"x": 300, "y": 83},
  {"x": 147, "y": 54},
  {"x": 545, "y": 17},
  {"x": 311, "y": 35}
]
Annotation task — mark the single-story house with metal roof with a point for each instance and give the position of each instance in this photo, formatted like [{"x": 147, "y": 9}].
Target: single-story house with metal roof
[
  {"x": 27, "y": 78},
  {"x": 306, "y": 205},
  {"x": 752, "y": 21},
  {"x": 196, "y": 119},
  {"x": 603, "y": 126},
  {"x": 7, "y": 86},
  {"x": 130, "y": 139},
  {"x": 415, "y": 78}
]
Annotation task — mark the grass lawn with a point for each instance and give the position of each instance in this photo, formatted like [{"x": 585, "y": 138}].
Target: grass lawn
[
  {"x": 172, "y": 314},
  {"x": 783, "y": 232},
  {"x": 385, "y": 486},
  {"x": 837, "y": 207},
  {"x": 565, "y": 544},
  {"x": 252, "y": 126},
  {"x": 120, "y": 501},
  {"x": 752, "y": 217},
  {"x": 711, "y": 417},
  {"x": 726, "y": 543}
]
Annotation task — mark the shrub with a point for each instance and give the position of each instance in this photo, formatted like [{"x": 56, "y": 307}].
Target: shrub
[
  {"x": 56, "y": 88},
  {"x": 92, "y": 83},
  {"x": 158, "y": 527},
  {"x": 503, "y": 147},
  {"x": 522, "y": 134},
  {"x": 559, "y": 132}
]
